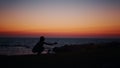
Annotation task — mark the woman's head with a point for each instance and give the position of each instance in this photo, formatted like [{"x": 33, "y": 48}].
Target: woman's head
[{"x": 42, "y": 38}]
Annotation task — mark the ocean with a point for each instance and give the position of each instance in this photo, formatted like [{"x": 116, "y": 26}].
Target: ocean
[{"x": 21, "y": 46}]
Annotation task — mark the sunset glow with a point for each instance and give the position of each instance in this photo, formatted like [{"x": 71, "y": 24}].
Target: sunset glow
[{"x": 60, "y": 19}]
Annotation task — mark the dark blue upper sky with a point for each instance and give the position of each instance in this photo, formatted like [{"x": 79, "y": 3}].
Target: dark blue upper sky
[{"x": 9, "y": 2}]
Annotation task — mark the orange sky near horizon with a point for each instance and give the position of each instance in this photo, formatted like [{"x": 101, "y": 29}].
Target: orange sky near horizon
[{"x": 60, "y": 21}]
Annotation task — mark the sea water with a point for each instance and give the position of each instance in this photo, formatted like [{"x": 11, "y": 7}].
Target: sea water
[{"x": 20, "y": 46}]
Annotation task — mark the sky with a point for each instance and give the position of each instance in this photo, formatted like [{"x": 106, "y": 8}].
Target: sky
[{"x": 60, "y": 18}]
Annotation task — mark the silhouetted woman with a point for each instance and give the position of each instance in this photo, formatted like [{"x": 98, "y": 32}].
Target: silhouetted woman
[{"x": 38, "y": 48}]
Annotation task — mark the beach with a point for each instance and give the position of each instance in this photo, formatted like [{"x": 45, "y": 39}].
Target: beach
[{"x": 104, "y": 55}]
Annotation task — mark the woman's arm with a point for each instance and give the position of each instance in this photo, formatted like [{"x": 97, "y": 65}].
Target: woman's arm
[{"x": 50, "y": 43}]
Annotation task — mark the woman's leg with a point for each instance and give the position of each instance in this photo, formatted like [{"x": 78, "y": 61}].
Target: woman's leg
[{"x": 38, "y": 53}]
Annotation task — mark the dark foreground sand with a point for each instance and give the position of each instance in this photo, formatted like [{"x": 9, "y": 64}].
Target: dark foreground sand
[{"x": 104, "y": 55}]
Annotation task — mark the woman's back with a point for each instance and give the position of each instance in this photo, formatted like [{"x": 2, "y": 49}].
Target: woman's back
[{"x": 38, "y": 47}]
